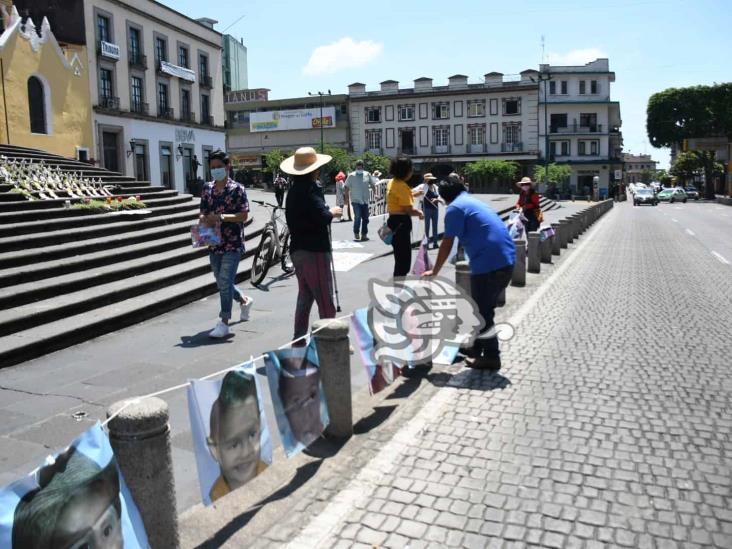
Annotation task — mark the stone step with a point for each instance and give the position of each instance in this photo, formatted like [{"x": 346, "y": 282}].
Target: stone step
[
  {"x": 41, "y": 340},
  {"x": 24, "y": 205},
  {"x": 123, "y": 191}
]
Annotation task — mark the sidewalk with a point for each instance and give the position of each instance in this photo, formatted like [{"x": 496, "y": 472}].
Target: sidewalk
[{"x": 593, "y": 434}]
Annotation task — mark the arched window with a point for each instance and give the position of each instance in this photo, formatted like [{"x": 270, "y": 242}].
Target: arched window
[{"x": 37, "y": 104}]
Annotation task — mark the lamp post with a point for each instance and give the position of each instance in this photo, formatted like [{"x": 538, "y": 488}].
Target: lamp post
[
  {"x": 545, "y": 77},
  {"x": 322, "y": 96}
]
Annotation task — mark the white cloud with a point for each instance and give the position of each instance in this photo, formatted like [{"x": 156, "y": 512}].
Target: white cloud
[
  {"x": 343, "y": 54},
  {"x": 574, "y": 57}
]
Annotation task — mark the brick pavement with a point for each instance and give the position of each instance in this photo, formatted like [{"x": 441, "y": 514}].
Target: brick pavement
[{"x": 609, "y": 425}]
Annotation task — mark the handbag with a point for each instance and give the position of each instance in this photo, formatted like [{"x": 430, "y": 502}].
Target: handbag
[{"x": 386, "y": 234}]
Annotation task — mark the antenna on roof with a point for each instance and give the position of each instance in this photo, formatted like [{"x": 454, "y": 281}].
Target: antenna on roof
[{"x": 543, "y": 58}]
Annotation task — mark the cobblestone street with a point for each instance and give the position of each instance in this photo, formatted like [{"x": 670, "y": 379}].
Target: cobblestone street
[{"x": 609, "y": 426}]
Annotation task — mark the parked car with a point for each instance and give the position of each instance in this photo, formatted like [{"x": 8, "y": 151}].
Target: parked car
[
  {"x": 644, "y": 196},
  {"x": 691, "y": 192},
  {"x": 676, "y": 194}
]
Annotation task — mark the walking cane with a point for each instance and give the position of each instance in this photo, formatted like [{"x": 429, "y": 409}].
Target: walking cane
[{"x": 332, "y": 268}]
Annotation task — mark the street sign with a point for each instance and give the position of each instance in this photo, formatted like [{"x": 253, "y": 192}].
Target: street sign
[{"x": 618, "y": 175}]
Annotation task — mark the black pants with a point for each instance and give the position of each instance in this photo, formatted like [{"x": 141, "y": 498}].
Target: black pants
[
  {"x": 485, "y": 289},
  {"x": 532, "y": 223},
  {"x": 402, "y": 243},
  {"x": 280, "y": 196}
]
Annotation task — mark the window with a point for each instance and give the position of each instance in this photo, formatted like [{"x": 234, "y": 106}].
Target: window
[
  {"x": 581, "y": 148},
  {"x": 105, "y": 84},
  {"x": 588, "y": 120},
  {"x": 185, "y": 103},
  {"x": 206, "y": 111},
  {"x": 203, "y": 65},
  {"x": 594, "y": 148},
  {"x": 135, "y": 45},
  {"x": 511, "y": 106},
  {"x": 440, "y": 111},
  {"x": 103, "y": 29},
  {"x": 161, "y": 49},
  {"x": 183, "y": 56},
  {"x": 373, "y": 114},
  {"x": 442, "y": 136},
  {"x": 588, "y": 148},
  {"x": 593, "y": 87},
  {"x": 512, "y": 133},
  {"x": 166, "y": 166},
  {"x": 163, "y": 98},
  {"x": 476, "y": 135},
  {"x": 137, "y": 94},
  {"x": 406, "y": 113},
  {"x": 37, "y": 105},
  {"x": 552, "y": 87},
  {"x": 476, "y": 109},
  {"x": 559, "y": 148},
  {"x": 373, "y": 140},
  {"x": 563, "y": 87},
  {"x": 582, "y": 87},
  {"x": 557, "y": 121}
]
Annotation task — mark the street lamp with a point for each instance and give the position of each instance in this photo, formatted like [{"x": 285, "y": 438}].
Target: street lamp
[
  {"x": 545, "y": 77},
  {"x": 322, "y": 95}
]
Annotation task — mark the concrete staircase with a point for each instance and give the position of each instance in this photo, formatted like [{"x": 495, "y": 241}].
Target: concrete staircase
[{"x": 67, "y": 276}]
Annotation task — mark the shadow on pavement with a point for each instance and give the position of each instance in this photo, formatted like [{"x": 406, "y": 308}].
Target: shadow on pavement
[
  {"x": 302, "y": 475},
  {"x": 201, "y": 339},
  {"x": 478, "y": 379},
  {"x": 325, "y": 447},
  {"x": 373, "y": 420},
  {"x": 267, "y": 285}
]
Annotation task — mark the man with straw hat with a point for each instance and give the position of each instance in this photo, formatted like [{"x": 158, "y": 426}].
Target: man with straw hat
[
  {"x": 528, "y": 203},
  {"x": 309, "y": 219}
]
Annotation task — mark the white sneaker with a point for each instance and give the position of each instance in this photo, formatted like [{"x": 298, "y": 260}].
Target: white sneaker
[
  {"x": 246, "y": 308},
  {"x": 220, "y": 331}
]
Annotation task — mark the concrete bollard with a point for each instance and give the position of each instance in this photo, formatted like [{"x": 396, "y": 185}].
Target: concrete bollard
[
  {"x": 546, "y": 250},
  {"x": 519, "y": 269},
  {"x": 564, "y": 232},
  {"x": 462, "y": 275},
  {"x": 140, "y": 438},
  {"x": 534, "y": 253},
  {"x": 556, "y": 240},
  {"x": 334, "y": 355},
  {"x": 576, "y": 226},
  {"x": 569, "y": 229}
]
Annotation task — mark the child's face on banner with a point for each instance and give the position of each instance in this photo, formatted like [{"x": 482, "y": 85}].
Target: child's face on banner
[
  {"x": 89, "y": 522},
  {"x": 301, "y": 401},
  {"x": 237, "y": 447}
]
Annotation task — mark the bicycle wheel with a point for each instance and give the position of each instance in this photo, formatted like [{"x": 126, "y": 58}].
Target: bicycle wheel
[
  {"x": 263, "y": 257},
  {"x": 286, "y": 260}
]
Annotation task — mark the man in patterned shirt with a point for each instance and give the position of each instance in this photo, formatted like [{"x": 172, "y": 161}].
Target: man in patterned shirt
[{"x": 224, "y": 202}]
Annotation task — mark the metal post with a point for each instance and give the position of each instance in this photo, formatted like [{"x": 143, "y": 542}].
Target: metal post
[
  {"x": 556, "y": 240},
  {"x": 519, "y": 269},
  {"x": 140, "y": 438},
  {"x": 322, "y": 139},
  {"x": 331, "y": 340},
  {"x": 534, "y": 253}
]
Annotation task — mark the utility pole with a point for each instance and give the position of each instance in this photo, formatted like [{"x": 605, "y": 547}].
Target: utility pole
[
  {"x": 544, "y": 77},
  {"x": 322, "y": 98}
]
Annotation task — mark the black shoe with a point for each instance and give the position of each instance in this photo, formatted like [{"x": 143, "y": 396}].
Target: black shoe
[
  {"x": 491, "y": 364},
  {"x": 356, "y": 238},
  {"x": 364, "y": 238}
]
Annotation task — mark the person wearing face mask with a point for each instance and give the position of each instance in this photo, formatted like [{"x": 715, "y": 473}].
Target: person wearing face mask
[
  {"x": 225, "y": 202},
  {"x": 358, "y": 186},
  {"x": 528, "y": 203},
  {"x": 309, "y": 219}
]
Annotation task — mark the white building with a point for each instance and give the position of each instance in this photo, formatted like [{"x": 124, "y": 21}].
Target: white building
[
  {"x": 156, "y": 88},
  {"x": 635, "y": 165},
  {"x": 583, "y": 122},
  {"x": 446, "y": 126}
]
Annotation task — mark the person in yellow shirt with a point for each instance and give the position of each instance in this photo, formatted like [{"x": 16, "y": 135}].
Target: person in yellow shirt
[{"x": 400, "y": 206}]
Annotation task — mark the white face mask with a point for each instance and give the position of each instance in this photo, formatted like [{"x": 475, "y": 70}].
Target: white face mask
[
  {"x": 359, "y": 171},
  {"x": 525, "y": 187}
]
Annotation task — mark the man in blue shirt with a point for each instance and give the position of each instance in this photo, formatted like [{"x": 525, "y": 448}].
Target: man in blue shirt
[{"x": 491, "y": 252}]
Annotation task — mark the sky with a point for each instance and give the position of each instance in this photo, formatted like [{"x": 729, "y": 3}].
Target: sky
[{"x": 300, "y": 47}]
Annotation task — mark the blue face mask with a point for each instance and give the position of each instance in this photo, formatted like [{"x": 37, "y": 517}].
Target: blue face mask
[{"x": 219, "y": 174}]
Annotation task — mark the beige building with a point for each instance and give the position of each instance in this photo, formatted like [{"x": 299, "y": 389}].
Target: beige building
[{"x": 635, "y": 165}]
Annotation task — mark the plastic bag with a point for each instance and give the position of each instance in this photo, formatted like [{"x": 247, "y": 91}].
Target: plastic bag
[
  {"x": 515, "y": 225},
  {"x": 203, "y": 236},
  {"x": 422, "y": 263}
]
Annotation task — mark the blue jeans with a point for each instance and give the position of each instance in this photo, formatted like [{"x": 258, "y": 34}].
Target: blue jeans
[
  {"x": 430, "y": 218},
  {"x": 361, "y": 219},
  {"x": 224, "y": 267}
]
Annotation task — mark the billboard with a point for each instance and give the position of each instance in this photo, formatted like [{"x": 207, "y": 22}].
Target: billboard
[{"x": 301, "y": 119}]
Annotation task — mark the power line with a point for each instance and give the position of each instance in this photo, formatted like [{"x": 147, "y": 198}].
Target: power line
[{"x": 234, "y": 23}]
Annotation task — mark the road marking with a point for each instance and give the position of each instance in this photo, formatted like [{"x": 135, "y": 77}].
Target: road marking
[
  {"x": 345, "y": 245},
  {"x": 690, "y": 232},
  {"x": 345, "y": 261},
  {"x": 675, "y": 220},
  {"x": 721, "y": 258}
]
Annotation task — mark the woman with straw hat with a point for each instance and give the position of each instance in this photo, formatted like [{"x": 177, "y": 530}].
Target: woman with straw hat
[
  {"x": 309, "y": 218},
  {"x": 528, "y": 203}
]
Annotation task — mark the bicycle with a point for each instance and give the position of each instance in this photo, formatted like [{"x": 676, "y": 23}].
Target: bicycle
[{"x": 274, "y": 245}]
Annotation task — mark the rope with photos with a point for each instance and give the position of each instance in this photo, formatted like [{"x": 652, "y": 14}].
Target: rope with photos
[{"x": 135, "y": 400}]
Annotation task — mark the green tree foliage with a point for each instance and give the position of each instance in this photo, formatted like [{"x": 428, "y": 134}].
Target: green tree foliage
[
  {"x": 559, "y": 174},
  {"x": 676, "y": 114},
  {"x": 647, "y": 176},
  {"x": 273, "y": 159},
  {"x": 492, "y": 171},
  {"x": 664, "y": 178},
  {"x": 375, "y": 162},
  {"x": 686, "y": 166},
  {"x": 342, "y": 162},
  {"x": 692, "y": 163}
]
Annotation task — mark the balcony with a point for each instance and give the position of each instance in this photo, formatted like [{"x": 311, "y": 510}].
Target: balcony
[
  {"x": 512, "y": 147},
  {"x": 476, "y": 149},
  {"x": 376, "y": 150},
  {"x": 109, "y": 103},
  {"x": 138, "y": 107},
  {"x": 187, "y": 116},
  {"x": 440, "y": 149},
  {"x": 166, "y": 113},
  {"x": 136, "y": 60},
  {"x": 206, "y": 81},
  {"x": 208, "y": 121},
  {"x": 576, "y": 128}
]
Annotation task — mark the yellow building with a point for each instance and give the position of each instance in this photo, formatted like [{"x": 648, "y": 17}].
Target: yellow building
[{"x": 45, "y": 101}]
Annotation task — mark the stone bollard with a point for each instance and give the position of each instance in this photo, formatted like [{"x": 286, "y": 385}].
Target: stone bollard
[
  {"x": 570, "y": 230},
  {"x": 576, "y": 226},
  {"x": 334, "y": 355},
  {"x": 564, "y": 232},
  {"x": 519, "y": 269},
  {"x": 556, "y": 240},
  {"x": 534, "y": 253},
  {"x": 546, "y": 250},
  {"x": 462, "y": 276},
  {"x": 140, "y": 438}
]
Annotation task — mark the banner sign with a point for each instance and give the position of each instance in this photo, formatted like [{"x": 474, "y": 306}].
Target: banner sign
[
  {"x": 179, "y": 72},
  {"x": 301, "y": 119},
  {"x": 108, "y": 50}
]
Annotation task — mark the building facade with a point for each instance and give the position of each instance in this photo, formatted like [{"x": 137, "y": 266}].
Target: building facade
[
  {"x": 256, "y": 125},
  {"x": 635, "y": 165},
  {"x": 581, "y": 123},
  {"x": 45, "y": 89},
  {"x": 444, "y": 127},
  {"x": 235, "y": 64}
]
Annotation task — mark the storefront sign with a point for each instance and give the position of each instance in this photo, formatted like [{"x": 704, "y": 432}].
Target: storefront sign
[
  {"x": 242, "y": 160},
  {"x": 618, "y": 175},
  {"x": 108, "y": 50},
  {"x": 301, "y": 119},
  {"x": 247, "y": 96},
  {"x": 185, "y": 136}
]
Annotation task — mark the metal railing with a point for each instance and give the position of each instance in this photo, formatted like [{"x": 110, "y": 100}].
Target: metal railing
[
  {"x": 137, "y": 60},
  {"x": 138, "y": 107},
  {"x": 206, "y": 81},
  {"x": 476, "y": 149},
  {"x": 512, "y": 147},
  {"x": 207, "y": 120},
  {"x": 109, "y": 102},
  {"x": 576, "y": 128},
  {"x": 187, "y": 116},
  {"x": 166, "y": 113},
  {"x": 440, "y": 149},
  {"x": 408, "y": 151}
]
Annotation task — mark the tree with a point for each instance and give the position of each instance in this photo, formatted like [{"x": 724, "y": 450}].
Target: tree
[
  {"x": 646, "y": 176},
  {"x": 342, "y": 162},
  {"x": 272, "y": 160},
  {"x": 663, "y": 177},
  {"x": 495, "y": 172},
  {"x": 559, "y": 175},
  {"x": 689, "y": 164},
  {"x": 685, "y": 167},
  {"x": 373, "y": 162}
]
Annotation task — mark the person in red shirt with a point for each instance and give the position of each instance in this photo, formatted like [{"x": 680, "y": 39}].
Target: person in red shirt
[{"x": 528, "y": 203}]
